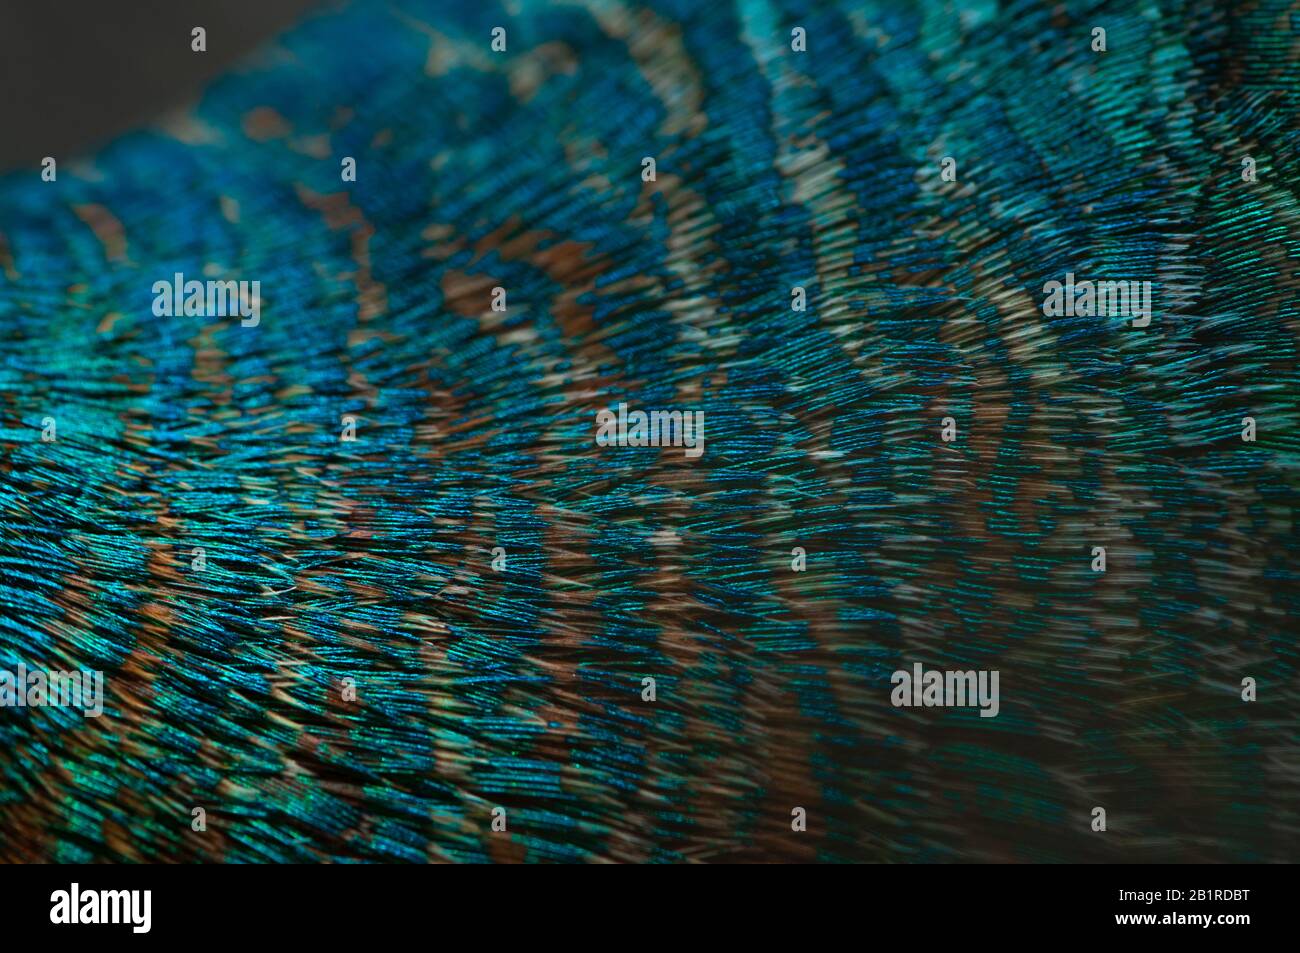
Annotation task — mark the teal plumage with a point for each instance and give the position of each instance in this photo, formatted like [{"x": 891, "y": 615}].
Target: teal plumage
[{"x": 331, "y": 565}]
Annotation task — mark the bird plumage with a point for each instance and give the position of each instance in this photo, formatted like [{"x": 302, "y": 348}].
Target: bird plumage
[{"x": 369, "y": 563}]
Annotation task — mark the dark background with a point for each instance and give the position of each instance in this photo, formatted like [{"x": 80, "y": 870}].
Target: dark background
[{"x": 74, "y": 73}]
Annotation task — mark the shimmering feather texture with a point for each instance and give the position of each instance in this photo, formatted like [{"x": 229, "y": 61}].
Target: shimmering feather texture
[{"x": 521, "y": 687}]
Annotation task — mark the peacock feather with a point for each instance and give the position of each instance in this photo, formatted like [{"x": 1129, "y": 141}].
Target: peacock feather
[{"x": 363, "y": 586}]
